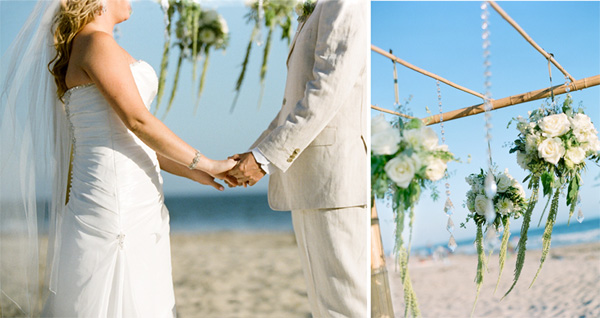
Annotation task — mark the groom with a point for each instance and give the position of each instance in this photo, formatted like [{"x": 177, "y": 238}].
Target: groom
[{"x": 316, "y": 155}]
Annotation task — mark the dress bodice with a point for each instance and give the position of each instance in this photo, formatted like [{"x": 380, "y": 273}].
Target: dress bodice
[{"x": 105, "y": 151}]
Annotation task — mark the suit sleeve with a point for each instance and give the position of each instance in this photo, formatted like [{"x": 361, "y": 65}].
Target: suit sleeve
[{"x": 340, "y": 57}]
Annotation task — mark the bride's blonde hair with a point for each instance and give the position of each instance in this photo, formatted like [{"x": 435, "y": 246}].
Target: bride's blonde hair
[{"x": 71, "y": 18}]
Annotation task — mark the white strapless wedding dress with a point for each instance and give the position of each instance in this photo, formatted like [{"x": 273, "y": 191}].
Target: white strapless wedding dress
[{"x": 113, "y": 257}]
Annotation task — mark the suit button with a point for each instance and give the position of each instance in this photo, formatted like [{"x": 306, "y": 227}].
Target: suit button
[
  {"x": 284, "y": 100},
  {"x": 296, "y": 150},
  {"x": 290, "y": 160}
]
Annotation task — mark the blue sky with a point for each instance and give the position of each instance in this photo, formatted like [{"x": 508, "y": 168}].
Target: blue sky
[
  {"x": 214, "y": 130},
  {"x": 445, "y": 38}
]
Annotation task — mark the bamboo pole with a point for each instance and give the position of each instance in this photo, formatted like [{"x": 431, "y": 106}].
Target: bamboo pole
[
  {"x": 391, "y": 112},
  {"x": 381, "y": 299},
  {"x": 529, "y": 39},
  {"x": 424, "y": 72},
  {"x": 514, "y": 100}
]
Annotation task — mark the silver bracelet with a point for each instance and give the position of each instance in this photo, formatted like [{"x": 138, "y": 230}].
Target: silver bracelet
[{"x": 192, "y": 165}]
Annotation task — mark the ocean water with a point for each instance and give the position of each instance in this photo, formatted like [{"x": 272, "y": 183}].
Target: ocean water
[
  {"x": 562, "y": 234},
  {"x": 244, "y": 212}
]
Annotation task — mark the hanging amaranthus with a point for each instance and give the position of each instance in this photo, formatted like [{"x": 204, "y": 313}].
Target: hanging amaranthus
[
  {"x": 197, "y": 30},
  {"x": 277, "y": 13}
]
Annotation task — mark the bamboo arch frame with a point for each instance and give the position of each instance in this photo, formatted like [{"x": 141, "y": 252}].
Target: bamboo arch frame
[{"x": 381, "y": 305}]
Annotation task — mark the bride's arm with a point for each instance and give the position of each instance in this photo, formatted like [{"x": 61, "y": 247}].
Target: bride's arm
[
  {"x": 201, "y": 177},
  {"x": 108, "y": 65}
]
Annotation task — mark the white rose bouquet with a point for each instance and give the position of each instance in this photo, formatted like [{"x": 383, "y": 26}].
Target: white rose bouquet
[
  {"x": 405, "y": 158},
  {"x": 197, "y": 30},
  {"x": 552, "y": 145},
  {"x": 509, "y": 202}
]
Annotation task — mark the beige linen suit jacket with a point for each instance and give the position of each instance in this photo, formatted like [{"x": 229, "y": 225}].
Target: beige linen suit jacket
[{"x": 318, "y": 139}]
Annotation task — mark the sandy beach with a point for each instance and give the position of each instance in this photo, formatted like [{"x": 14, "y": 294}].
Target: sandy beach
[
  {"x": 568, "y": 286},
  {"x": 233, "y": 274}
]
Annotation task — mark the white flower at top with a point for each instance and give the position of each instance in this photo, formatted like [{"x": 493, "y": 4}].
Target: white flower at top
[
  {"x": 555, "y": 125},
  {"x": 384, "y": 138},
  {"x": 209, "y": 16},
  {"x": 422, "y": 137}
]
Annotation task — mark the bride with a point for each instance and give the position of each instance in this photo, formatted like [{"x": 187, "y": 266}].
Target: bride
[{"x": 109, "y": 253}]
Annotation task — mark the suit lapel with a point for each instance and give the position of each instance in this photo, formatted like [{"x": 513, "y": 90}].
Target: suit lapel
[{"x": 294, "y": 41}]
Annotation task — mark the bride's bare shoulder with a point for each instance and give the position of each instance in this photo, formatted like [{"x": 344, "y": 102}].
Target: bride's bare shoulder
[{"x": 95, "y": 46}]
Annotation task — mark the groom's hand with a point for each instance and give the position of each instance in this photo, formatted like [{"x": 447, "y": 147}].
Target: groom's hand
[{"x": 247, "y": 171}]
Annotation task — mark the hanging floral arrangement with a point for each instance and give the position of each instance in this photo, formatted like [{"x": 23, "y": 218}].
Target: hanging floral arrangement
[
  {"x": 273, "y": 13},
  {"x": 553, "y": 144},
  {"x": 509, "y": 202},
  {"x": 196, "y": 31},
  {"x": 404, "y": 160}
]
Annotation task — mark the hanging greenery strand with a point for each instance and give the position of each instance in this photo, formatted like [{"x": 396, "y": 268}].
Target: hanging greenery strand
[
  {"x": 277, "y": 13},
  {"x": 196, "y": 31},
  {"x": 169, "y": 10}
]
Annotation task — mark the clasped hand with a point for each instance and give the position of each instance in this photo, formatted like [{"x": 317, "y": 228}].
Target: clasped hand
[{"x": 247, "y": 172}]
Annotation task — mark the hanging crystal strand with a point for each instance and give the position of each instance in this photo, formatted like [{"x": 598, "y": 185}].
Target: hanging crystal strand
[
  {"x": 490, "y": 182},
  {"x": 261, "y": 15},
  {"x": 448, "y": 206}
]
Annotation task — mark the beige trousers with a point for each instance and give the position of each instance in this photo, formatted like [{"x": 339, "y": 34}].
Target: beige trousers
[{"x": 334, "y": 255}]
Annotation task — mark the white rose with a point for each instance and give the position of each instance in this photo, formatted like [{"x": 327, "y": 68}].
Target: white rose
[
  {"x": 424, "y": 136},
  {"x": 505, "y": 206},
  {"x": 481, "y": 202},
  {"x": 522, "y": 160},
  {"x": 593, "y": 145},
  {"x": 385, "y": 142},
  {"x": 442, "y": 148},
  {"x": 576, "y": 155},
  {"x": 207, "y": 36},
  {"x": 209, "y": 16},
  {"x": 588, "y": 139},
  {"x": 555, "y": 125},
  {"x": 379, "y": 124},
  {"x": 224, "y": 26},
  {"x": 435, "y": 169},
  {"x": 503, "y": 182},
  {"x": 581, "y": 122},
  {"x": 401, "y": 170},
  {"x": 164, "y": 4},
  {"x": 551, "y": 150}
]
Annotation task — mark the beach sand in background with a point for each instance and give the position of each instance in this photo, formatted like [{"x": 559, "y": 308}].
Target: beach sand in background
[
  {"x": 235, "y": 274},
  {"x": 230, "y": 275},
  {"x": 568, "y": 285}
]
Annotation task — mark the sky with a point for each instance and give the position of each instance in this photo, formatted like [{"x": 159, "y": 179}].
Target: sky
[
  {"x": 441, "y": 37},
  {"x": 214, "y": 131},
  {"x": 445, "y": 38}
]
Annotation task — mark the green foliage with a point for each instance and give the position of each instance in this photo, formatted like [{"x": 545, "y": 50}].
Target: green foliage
[
  {"x": 481, "y": 263},
  {"x": 503, "y": 249},
  {"x": 547, "y": 236},
  {"x": 277, "y": 13},
  {"x": 196, "y": 31},
  {"x": 534, "y": 184}
]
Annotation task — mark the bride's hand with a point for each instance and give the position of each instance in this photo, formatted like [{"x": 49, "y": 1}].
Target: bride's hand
[
  {"x": 220, "y": 168},
  {"x": 206, "y": 179}
]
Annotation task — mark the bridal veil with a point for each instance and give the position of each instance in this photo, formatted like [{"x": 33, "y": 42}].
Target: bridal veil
[{"x": 34, "y": 158}]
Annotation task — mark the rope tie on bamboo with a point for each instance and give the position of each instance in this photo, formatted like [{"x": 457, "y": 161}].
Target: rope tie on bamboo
[{"x": 395, "y": 81}]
